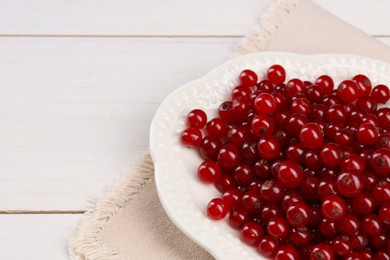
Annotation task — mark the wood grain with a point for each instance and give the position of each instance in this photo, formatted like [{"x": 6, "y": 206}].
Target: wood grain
[
  {"x": 36, "y": 236},
  {"x": 167, "y": 17},
  {"x": 75, "y": 112}
]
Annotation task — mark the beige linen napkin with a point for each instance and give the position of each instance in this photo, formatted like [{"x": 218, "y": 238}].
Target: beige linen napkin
[{"x": 129, "y": 222}]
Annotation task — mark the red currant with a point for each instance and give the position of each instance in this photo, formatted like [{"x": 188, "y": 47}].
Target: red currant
[
  {"x": 248, "y": 78},
  {"x": 276, "y": 74}
]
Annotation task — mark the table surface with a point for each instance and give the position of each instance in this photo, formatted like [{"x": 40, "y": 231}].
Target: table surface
[{"x": 79, "y": 84}]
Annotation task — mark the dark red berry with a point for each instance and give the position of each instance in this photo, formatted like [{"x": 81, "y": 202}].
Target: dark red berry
[
  {"x": 268, "y": 147},
  {"x": 276, "y": 74},
  {"x": 298, "y": 214},
  {"x": 229, "y": 156},
  {"x": 333, "y": 208},
  {"x": 290, "y": 174},
  {"x": 264, "y": 104},
  {"x": 278, "y": 228},
  {"x": 209, "y": 172},
  {"x": 248, "y": 78},
  {"x": 191, "y": 137},
  {"x": 347, "y": 91},
  {"x": 286, "y": 253},
  {"x": 322, "y": 251},
  {"x": 216, "y": 209},
  {"x": 268, "y": 246},
  {"x": 311, "y": 136},
  {"x": 252, "y": 233},
  {"x": 381, "y": 94}
]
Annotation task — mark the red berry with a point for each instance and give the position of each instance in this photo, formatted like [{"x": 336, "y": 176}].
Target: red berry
[
  {"x": 384, "y": 213},
  {"x": 252, "y": 233},
  {"x": 347, "y": 91},
  {"x": 278, "y": 228},
  {"x": 216, "y": 127},
  {"x": 238, "y": 135},
  {"x": 300, "y": 105},
  {"x": 367, "y": 134},
  {"x": 232, "y": 197},
  {"x": 241, "y": 91},
  {"x": 354, "y": 162},
  {"x": 322, "y": 252},
  {"x": 381, "y": 191},
  {"x": 371, "y": 225},
  {"x": 197, "y": 118},
  {"x": 191, "y": 137},
  {"x": 311, "y": 136},
  {"x": 264, "y": 104},
  {"x": 290, "y": 174},
  {"x": 333, "y": 208},
  {"x": 286, "y": 253},
  {"x": 326, "y": 83},
  {"x": 363, "y": 203},
  {"x": 238, "y": 217},
  {"x": 331, "y": 155},
  {"x": 364, "y": 85},
  {"x": 241, "y": 107},
  {"x": 300, "y": 236},
  {"x": 298, "y": 214},
  {"x": 229, "y": 156},
  {"x": 349, "y": 183},
  {"x": 276, "y": 74},
  {"x": 349, "y": 225},
  {"x": 341, "y": 245},
  {"x": 268, "y": 246},
  {"x": 380, "y": 161},
  {"x": 383, "y": 115},
  {"x": 248, "y": 78},
  {"x": 251, "y": 201},
  {"x": 265, "y": 86},
  {"x": 336, "y": 114},
  {"x": 262, "y": 125},
  {"x": 381, "y": 94},
  {"x": 268, "y": 147},
  {"x": 244, "y": 174},
  {"x": 209, "y": 172},
  {"x": 216, "y": 209},
  {"x": 272, "y": 191}
]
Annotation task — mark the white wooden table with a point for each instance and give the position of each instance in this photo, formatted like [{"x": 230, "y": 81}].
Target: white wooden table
[{"x": 79, "y": 84}]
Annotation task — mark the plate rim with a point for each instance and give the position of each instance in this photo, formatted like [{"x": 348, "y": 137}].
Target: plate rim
[{"x": 262, "y": 55}]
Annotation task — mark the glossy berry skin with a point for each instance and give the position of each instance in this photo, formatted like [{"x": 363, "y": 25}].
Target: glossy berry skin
[
  {"x": 331, "y": 155},
  {"x": 265, "y": 86},
  {"x": 252, "y": 233},
  {"x": 196, "y": 118},
  {"x": 278, "y": 228},
  {"x": 209, "y": 148},
  {"x": 262, "y": 125},
  {"x": 251, "y": 201},
  {"x": 322, "y": 251},
  {"x": 367, "y": 134},
  {"x": 268, "y": 147},
  {"x": 287, "y": 253},
  {"x": 341, "y": 245},
  {"x": 232, "y": 197},
  {"x": 298, "y": 214},
  {"x": 314, "y": 93},
  {"x": 333, "y": 208},
  {"x": 311, "y": 136},
  {"x": 225, "y": 111},
  {"x": 380, "y": 161},
  {"x": 300, "y": 105},
  {"x": 191, "y": 137},
  {"x": 371, "y": 225},
  {"x": 349, "y": 183},
  {"x": 349, "y": 225},
  {"x": 276, "y": 74},
  {"x": 229, "y": 156},
  {"x": 367, "y": 104},
  {"x": 295, "y": 87},
  {"x": 347, "y": 91},
  {"x": 326, "y": 83},
  {"x": 289, "y": 198},
  {"x": 384, "y": 213},
  {"x": 241, "y": 107},
  {"x": 216, "y": 209},
  {"x": 381, "y": 94},
  {"x": 268, "y": 246},
  {"x": 270, "y": 211},
  {"x": 264, "y": 104},
  {"x": 383, "y": 115},
  {"x": 209, "y": 172},
  {"x": 248, "y": 78},
  {"x": 364, "y": 203},
  {"x": 336, "y": 114},
  {"x": 327, "y": 228},
  {"x": 244, "y": 174},
  {"x": 216, "y": 127},
  {"x": 238, "y": 135},
  {"x": 238, "y": 217},
  {"x": 354, "y": 162},
  {"x": 295, "y": 123},
  {"x": 364, "y": 85},
  {"x": 272, "y": 191},
  {"x": 381, "y": 191},
  {"x": 296, "y": 152},
  {"x": 312, "y": 160},
  {"x": 300, "y": 236},
  {"x": 290, "y": 174}
]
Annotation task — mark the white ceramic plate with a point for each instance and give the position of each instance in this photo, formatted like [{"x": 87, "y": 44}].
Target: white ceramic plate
[{"x": 184, "y": 197}]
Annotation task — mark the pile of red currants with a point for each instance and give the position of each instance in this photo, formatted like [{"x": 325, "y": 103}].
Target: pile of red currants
[{"x": 303, "y": 168}]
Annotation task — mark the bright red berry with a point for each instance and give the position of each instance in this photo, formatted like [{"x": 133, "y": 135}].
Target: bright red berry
[
  {"x": 290, "y": 174},
  {"x": 347, "y": 91},
  {"x": 191, "y": 137},
  {"x": 311, "y": 136},
  {"x": 216, "y": 209},
  {"x": 276, "y": 74},
  {"x": 248, "y": 78}
]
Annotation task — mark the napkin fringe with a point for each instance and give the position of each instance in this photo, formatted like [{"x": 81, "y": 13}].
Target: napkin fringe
[
  {"x": 274, "y": 17},
  {"x": 85, "y": 245}
]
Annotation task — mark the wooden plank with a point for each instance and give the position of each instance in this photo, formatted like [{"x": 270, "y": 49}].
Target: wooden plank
[
  {"x": 36, "y": 236},
  {"x": 167, "y": 17},
  {"x": 75, "y": 113}
]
